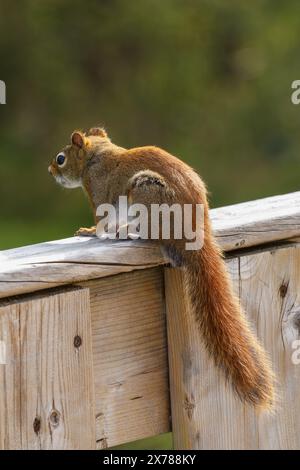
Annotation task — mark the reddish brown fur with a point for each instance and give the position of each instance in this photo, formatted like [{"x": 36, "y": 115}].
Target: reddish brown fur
[{"x": 106, "y": 172}]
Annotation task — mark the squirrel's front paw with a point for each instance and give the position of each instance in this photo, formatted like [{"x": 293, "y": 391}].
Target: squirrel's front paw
[{"x": 86, "y": 232}]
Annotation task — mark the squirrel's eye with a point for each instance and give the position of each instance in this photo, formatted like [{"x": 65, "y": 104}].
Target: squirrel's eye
[{"x": 60, "y": 159}]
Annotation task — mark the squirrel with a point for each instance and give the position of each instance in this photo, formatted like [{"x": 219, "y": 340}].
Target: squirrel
[{"x": 151, "y": 175}]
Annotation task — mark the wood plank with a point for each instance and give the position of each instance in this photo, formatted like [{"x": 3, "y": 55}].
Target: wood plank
[
  {"x": 59, "y": 262},
  {"x": 257, "y": 222},
  {"x": 30, "y": 278},
  {"x": 182, "y": 362},
  {"x": 130, "y": 357},
  {"x": 87, "y": 250},
  {"x": 46, "y": 385},
  {"x": 201, "y": 402},
  {"x": 268, "y": 284},
  {"x": 269, "y": 288}
]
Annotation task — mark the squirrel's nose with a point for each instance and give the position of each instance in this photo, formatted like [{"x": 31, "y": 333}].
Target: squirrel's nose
[{"x": 50, "y": 169}]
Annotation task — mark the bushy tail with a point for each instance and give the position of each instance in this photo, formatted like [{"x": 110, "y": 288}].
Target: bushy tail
[{"x": 226, "y": 333}]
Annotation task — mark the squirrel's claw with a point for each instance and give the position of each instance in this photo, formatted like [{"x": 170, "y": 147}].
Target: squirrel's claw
[{"x": 86, "y": 232}]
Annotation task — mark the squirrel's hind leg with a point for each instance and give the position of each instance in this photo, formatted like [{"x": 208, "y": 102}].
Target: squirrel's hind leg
[{"x": 146, "y": 187}]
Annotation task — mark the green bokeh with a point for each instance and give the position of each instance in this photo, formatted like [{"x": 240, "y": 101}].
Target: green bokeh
[
  {"x": 208, "y": 80},
  {"x": 162, "y": 442}
]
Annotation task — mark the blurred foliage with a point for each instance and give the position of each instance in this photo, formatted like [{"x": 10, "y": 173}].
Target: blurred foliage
[
  {"x": 208, "y": 80},
  {"x": 161, "y": 442}
]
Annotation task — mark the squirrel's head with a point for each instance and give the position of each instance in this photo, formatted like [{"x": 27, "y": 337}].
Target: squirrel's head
[{"x": 68, "y": 165}]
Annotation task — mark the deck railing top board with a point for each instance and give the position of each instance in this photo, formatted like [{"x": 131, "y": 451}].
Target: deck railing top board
[
  {"x": 54, "y": 263},
  {"x": 256, "y": 222}
]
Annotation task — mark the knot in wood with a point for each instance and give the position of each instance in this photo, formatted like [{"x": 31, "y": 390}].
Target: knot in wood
[
  {"x": 37, "y": 424},
  {"x": 283, "y": 290},
  {"x": 77, "y": 341},
  {"x": 54, "y": 418}
]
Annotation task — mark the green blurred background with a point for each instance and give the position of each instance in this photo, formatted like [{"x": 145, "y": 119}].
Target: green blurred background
[{"x": 207, "y": 80}]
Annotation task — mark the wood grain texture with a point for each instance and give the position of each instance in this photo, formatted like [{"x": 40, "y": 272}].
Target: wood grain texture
[
  {"x": 47, "y": 385},
  {"x": 205, "y": 412},
  {"x": 130, "y": 357},
  {"x": 61, "y": 262},
  {"x": 257, "y": 222},
  {"x": 43, "y": 383},
  {"x": 130, "y": 362}
]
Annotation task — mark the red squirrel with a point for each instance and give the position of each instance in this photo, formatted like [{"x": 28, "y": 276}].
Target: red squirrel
[{"x": 149, "y": 175}]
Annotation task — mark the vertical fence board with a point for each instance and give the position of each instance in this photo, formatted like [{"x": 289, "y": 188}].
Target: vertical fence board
[
  {"x": 46, "y": 385},
  {"x": 10, "y": 398},
  {"x": 269, "y": 287},
  {"x": 130, "y": 357},
  {"x": 205, "y": 412},
  {"x": 199, "y": 404}
]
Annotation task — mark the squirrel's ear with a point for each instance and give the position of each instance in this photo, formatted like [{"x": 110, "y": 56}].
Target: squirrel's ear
[
  {"x": 97, "y": 131},
  {"x": 78, "y": 139}
]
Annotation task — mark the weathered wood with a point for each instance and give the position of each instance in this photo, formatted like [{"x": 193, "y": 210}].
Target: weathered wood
[
  {"x": 61, "y": 262},
  {"x": 256, "y": 222},
  {"x": 130, "y": 357},
  {"x": 269, "y": 285},
  {"x": 130, "y": 362},
  {"x": 205, "y": 412},
  {"x": 31, "y": 278},
  {"x": 129, "y": 340},
  {"x": 47, "y": 385},
  {"x": 184, "y": 352}
]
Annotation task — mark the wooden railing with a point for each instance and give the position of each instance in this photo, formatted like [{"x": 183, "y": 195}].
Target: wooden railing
[{"x": 84, "y": 346}]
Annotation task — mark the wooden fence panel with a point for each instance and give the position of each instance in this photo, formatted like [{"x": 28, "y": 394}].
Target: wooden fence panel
[
  {"x": 205, "y": 412},
  {"x": 90, "y": 365},
  {"x": 46, "y": 384}
]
